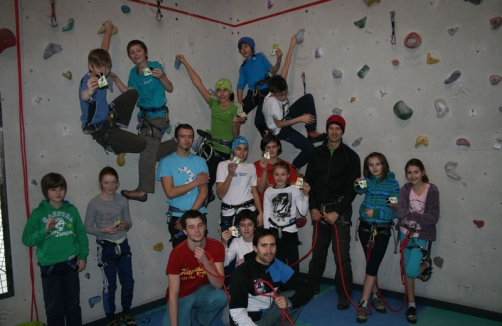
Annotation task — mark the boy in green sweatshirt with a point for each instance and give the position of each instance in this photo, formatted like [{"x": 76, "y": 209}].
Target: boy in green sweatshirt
[{"x": 56, "y": 228}]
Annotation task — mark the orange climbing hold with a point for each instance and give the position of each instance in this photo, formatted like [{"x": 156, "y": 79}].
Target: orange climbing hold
[{"x": 479, "y": 223}]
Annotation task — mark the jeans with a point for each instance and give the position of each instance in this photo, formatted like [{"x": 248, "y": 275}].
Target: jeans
[
  {"x": 61, "y": 287},
  {"x": 207, "y": 302},
  {"x": 304, "y": 104},
  {"x": 121, "y": 266},
  {"x": 326, "y": 235}
]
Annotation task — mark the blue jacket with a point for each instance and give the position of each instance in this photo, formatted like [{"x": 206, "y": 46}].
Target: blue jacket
[{"x": 375, "y": 198}]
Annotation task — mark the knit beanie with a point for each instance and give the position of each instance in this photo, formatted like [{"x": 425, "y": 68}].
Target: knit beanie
[
  {"x": 224, "y": 83},
  {"x": 337, "y": 119}
]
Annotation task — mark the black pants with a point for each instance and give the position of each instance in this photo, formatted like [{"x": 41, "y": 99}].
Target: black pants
[
  {"x": 326, "y": 235},
  {"x": 250, "y": 102},
  {"x": 287, "y": 248},
  {"x": 380, "y": 246}
]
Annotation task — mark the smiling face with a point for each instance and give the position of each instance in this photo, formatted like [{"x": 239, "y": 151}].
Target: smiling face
[
  {"x": 247, "y": 227},
  {"x": 138, "y": 55},
  {"x": 281, "y": 176},
  {"x": 375, "y": 167},
  {"x": 415, "y": 175},
  {"x": 108, "y": 184},
  {"x": 265, "y": 250},
  {"x": 223, "y": 95},
  {"x": 241, "y": 152},
  {"x": 335, "y": 134},
  {"x": 195, "y": 229}
]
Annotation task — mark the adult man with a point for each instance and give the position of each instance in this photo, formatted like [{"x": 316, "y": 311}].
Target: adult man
[
  {"x": 249, "y": 306},
  {"x": 331, "y": 172},
  {"x": 184, "y": 177},
  {"x": 192, "y": 270}
]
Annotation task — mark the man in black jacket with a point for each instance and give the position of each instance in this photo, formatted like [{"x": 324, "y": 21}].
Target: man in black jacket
[
  {"x": 250, "y": 302},
  {"x": 331, "y": 172}
]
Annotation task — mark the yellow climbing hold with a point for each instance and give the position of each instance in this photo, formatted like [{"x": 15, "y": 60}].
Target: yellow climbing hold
[
  {"x": 102, "y": 30},
  {"x": 121, "y": 159},
  {"x": 352, "y": 99},
  {"x": 422, "y": 140},
  {"x": 67, "y": 74},
  {"x": 370, "y": 2},
  {"x": 431, "y": 59},
  {"x": 158, "y": 247}
]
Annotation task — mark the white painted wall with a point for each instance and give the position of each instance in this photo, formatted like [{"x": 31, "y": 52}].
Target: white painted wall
[{"x": 469, "y": 268}]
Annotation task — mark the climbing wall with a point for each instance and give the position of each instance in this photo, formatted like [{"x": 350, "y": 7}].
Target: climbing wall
[{"x": 438, "y": 101}]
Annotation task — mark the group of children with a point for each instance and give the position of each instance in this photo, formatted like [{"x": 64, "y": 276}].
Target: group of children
[{"x": 253, "y": 195}]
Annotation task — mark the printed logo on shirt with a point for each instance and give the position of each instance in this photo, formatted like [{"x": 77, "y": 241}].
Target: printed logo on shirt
[
  {"x": 281, "y": 206},
  {"x": 186, "y": 170},
  {"x": 260, "y": 287},
  {"x": 191, "y": 274}
]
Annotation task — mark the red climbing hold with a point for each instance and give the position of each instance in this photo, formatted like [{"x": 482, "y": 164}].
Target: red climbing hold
[
  {"x": 7, "y": 39},
  {"x": 479, "y": 223}
]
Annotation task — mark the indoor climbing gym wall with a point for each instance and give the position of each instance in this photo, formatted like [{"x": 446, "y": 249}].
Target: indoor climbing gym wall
[{"x": 412, "y": 78}]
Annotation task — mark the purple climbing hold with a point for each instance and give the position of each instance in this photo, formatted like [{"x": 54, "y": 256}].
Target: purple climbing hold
[
  {"x": 269, "y": 4},
  {"x": 318, "y": 53},
  {"x": 495, "y": 79}
]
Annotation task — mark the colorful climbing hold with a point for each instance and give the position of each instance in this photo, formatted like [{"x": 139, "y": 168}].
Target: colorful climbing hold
[
  {"x": 357, "y": 142},
  {"x": 412, "y": 40},
  {"x": 177, "y": 64},
  {"x": 299, "y": 36},
  {"x": 452, "y": 30},
  {"x": 402, "y": 111},
  {"x": 421, "y": 140},
  {"x": 121, "y": 159},
  {"x": 395, "y": 62},
  {"x": 94, "y": 300},
  {"x": 431, "y": 59},
  {"x": 269, "y": 4},
  {"x": 441, "y": 107},
  {"x": 318, "y": 53},
  {"x": 370, "y": 2},
  {"x": 50, "y": 49},
  {"x": 352, "y": 99},
  {"x": 496, "y": 22},
  {"x": 463, "y": 142},
  {"x": 7, "y": 39},
  {"x": 363, "y": 71},
  {"x": 158, "y": 247},
  {"x": 454, "y": 76},
  {"x": 337, "y": 73},
  {"x": 33, "y": 182},
  {"x": 495, "y": 79},
  {"x": 361, "y": 22},
  {"x": 438, "y": 261},
  {"x": 102, "y": 30},
  {"x": 69, "y": 25},
  {"x": 67, "y": 74},
  {"x": 479, "y": 223},
  {"x": 87, "y": 275},
  {"x": 125, "y": 9}
]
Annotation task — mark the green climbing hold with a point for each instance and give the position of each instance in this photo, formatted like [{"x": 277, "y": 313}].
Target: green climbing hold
[
  {"x": 69, "y": 25},
  {"x": 361, "y": 22},
  {"x": 363, "y": 71},
  {"x": 402, "y": 111}
]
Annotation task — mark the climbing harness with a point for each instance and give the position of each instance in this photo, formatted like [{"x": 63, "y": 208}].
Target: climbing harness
[
  {"x": 145, "y": 122},
  {"x": 228, "y": 221},
  {"x": 118, "y": 252},
  {"x": 280, "y": 227},
  {"x": 205, "y": 148}
]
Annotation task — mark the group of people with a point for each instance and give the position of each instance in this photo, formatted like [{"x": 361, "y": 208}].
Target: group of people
[{"x": 261, "y": 203}]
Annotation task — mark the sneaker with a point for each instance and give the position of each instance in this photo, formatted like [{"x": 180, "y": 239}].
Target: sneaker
[
  {"x": 114, "y": 322},
  {"x": 379, "y": 305},
  {"x": 317, "y": 291},
  {"x": 318, "y": 138},
  {"x": 128, "y": 320},
  {"x": 134, "y": 195},
  {"x": 426, "y": 274},
  {"x": 343, "y": 304},
  {"x": 411, "y": 315},
  {"x": 362, "y": 313}
]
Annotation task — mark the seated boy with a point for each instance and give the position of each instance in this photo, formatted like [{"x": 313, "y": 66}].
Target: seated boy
[
  {"x": 281, "y": 117},
  {"x": 56, "y": 228}
]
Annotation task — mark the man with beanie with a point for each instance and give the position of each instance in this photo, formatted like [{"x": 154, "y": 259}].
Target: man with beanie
[
  {"x": 254, "y": 72},
  {"x": 331, "y": 172}
]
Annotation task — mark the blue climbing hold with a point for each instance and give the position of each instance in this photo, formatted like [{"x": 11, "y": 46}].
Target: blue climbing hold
[{"x": 125, "y": 9}]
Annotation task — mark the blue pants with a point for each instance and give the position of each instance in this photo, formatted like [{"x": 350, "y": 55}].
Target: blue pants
[
  {"x": 61, "y": 288},
  {"x": 109, "y": 254},
  {"x": 413, "y": 256},
  {"x": 207, "y": 302},
  {"x": 304, "y": 104}
]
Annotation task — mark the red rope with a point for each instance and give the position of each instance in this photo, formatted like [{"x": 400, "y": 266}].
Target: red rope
[
  {"x": 22, "y": 137},
  {"x": 221, "y": 277},
  {"x": 273, "y": 296}
]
